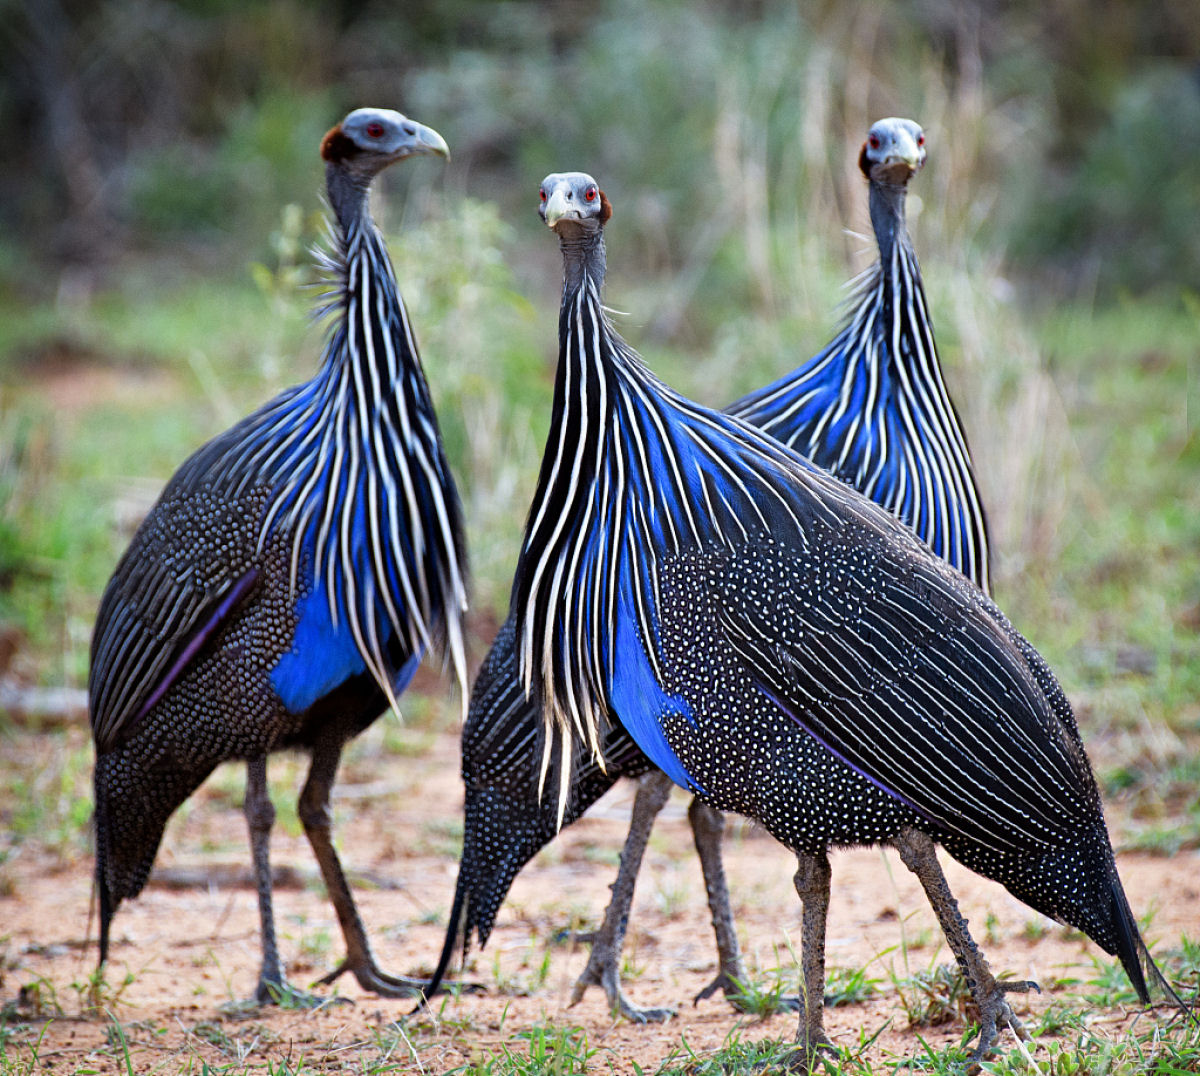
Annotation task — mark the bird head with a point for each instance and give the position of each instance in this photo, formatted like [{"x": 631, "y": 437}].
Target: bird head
[
  {"x": 571, "y": 202},
  {"x": 893, "y": 151},
  {"x": 370, "y": 139}
]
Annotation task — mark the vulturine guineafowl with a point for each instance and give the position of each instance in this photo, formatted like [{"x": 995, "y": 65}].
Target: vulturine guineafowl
[
  {"x": 873, "y": 409},
  {"x": 785, "y": 648},
  {"x": 285, "y": 586}
]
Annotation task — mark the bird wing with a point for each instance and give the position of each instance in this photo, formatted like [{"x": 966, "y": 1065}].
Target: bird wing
[
  {"x": 184, "y": 575},
  {"x": 915, "y": 680}
]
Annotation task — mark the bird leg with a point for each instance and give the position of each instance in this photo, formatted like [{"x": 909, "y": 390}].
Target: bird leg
[
  {"x": 603, "y": 963},
  {"x": 708, "y": 827},
  {"x": 920, "y": 856},
  {"x": 812, "y": 885},
  {"x": 314, "y": 814},
  {"x": 260, "y": 817}
]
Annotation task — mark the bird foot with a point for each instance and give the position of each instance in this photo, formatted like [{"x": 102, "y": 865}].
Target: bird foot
[
  {"x": 995, "y": 1014},
  {"x": 371, "y": 978},
  {"x": 285, "y": 995},
  {"x": 603, "y": 973},
  {"x": 760, "y": 1004},
  {"x": 802, "y": 1057}
]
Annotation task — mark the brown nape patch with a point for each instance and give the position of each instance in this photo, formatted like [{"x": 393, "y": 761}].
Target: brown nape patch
[
  {"x": 605, "y": 208},
  {"x": 863, "y": 162},
  {"x": 336, "y": 146}
]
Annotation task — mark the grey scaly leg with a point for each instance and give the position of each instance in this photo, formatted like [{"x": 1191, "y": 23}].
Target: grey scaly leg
[
  {"x": 708, "y": 827},
  {"x": 920, "y": 856},
  {"x": 260, "y": 817},
  {"x": 314, "y": 814},
  {"x": 812, "y": 885},
  {"x": 603, "y": 966}
]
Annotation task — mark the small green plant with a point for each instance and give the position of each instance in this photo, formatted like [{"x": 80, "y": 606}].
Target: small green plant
[
  {"x": 1056, "y": 1019},
  {"x": 316, "y": 944},
  {"x": 769, "y": 1057},
  {"x": 35, "y": 1000},
  {"x": 114, "y": 1034},
  {"x": 549, "y": 1051},
  {"x": 21, "y": 1065},
  {"x": 1182, "y": 964},
  {"x": 97, "y": 994},
  {"x": 759, "y": 997},
  {"x": 1110, "y": 986},
  {"x": 935, "y": 996},
  {"x": 948, "y": 1061},
  {"x": 849, "y": 986},
  {"x": 1034, "y": 929},
  {"x": 521, "y": 985},
  {"x": 214, "y": 1034},
  {"x": 672, "y": 895}
]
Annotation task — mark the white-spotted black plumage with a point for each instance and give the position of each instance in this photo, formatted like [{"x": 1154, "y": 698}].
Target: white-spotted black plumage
[
  {"x": 872, "y": 407},
  {"x": 783, "y": 646},
  {"x": 293, "y": 573}
]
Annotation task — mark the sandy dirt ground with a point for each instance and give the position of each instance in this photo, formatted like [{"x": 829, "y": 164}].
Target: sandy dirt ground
[{"x": 190, "y": 942}]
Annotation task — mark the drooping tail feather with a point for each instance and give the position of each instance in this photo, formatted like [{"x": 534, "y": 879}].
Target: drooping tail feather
[
  {"x": 1131, "y": 950},
  {"x": 105, "y": 898},
  {"x": 1135, "y": 956},
  {"x": 456, "y": 933}
]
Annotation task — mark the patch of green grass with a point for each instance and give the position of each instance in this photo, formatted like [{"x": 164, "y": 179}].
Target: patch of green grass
[
  {"x": 1156, "y": 1052},
  {"x": 1034, "y": 929},
  {"x": 45, "y": 791},
  {"x": 672, "y": 892},
  {"x": 948, "y": 1061},
  {"x": 1115, "y": 609},
  {"x": 531, "y": 973},
  {"x": 35, "y": 1000},
  {"x": 119, "y": 1044},
  {"x": 548, "y": 1051},
  {"x": 1109, "y": 986},
  {"x": 767, "y": 1056},
  {"x": 761, "y": 997},
  {"x": 97, "y": 993},
  {"x": 28, "y": 1062},
  {"x": 1181, "y": 965},
  {"x": 735, "y": 1056},
  {"x": 935, "y": 996},
  {"x": 849, "y": 986},
  {"x": 1056, "y": 1019}
]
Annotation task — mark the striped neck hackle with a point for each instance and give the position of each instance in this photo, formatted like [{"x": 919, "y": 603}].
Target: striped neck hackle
[{"x": 355, "y": 455}]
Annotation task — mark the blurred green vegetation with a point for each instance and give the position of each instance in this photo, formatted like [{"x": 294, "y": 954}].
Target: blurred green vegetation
[
  {"x": 182, "y": 125},
  {"x": 160, "y": 190}
]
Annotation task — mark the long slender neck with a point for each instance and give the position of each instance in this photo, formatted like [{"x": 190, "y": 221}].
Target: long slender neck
[
  {"x": 583, "y": 257},
  {"x": 377, "y": 345},
  {"x": 887, "y": 202},
  {"x": 347, "y": 196},
  {"x": 573, "y": 444}
]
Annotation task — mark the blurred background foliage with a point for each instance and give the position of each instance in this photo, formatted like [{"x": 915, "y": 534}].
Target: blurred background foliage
[
  {"x": 141, "y": 125},
  {"x": 160, "y": 188}
]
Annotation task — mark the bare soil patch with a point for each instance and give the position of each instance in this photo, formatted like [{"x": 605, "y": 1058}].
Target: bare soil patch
[{"x": 191, "y": 946}]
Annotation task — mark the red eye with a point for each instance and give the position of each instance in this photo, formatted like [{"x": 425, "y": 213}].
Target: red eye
[
  {"x": 542, "y": 194},
  {"x": 590, "y": 194},
  {"x": 873, "y": 141},
  {"x": 920, "y": 140},
  {"x": 375, "y": 130}
]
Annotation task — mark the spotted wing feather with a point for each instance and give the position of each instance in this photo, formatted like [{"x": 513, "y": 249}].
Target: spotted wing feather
[
  {"x": 186, "y": 571},
  {"x": 915, "y": 680}
]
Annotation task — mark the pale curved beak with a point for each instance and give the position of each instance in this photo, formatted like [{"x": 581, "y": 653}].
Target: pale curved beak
[
  {"x": 557, "y": 207},
  {"x": 904, "y": 150},
  {"x": 422, "y": 141}
]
